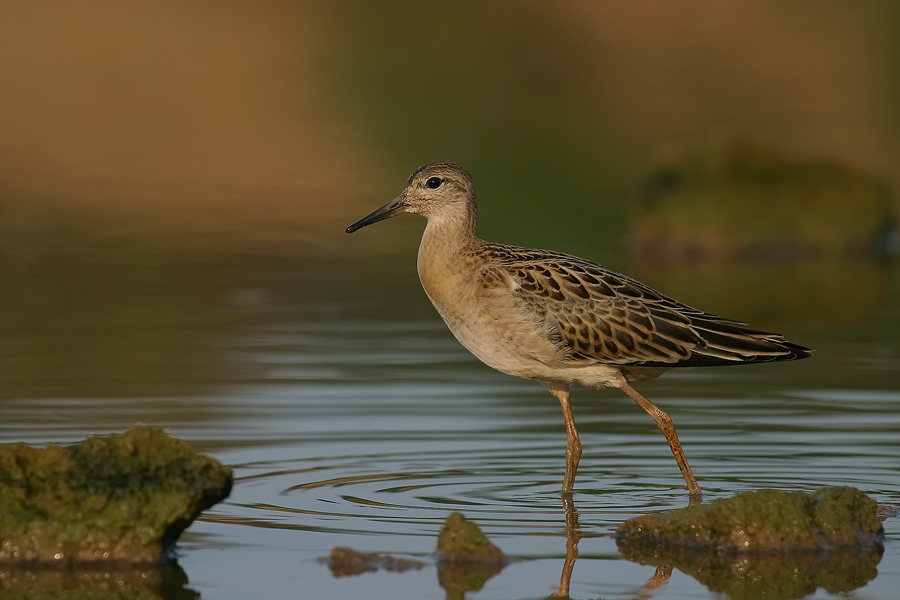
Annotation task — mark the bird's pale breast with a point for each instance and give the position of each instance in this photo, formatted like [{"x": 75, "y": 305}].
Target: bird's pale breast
[{"x": 481, "y": 309}]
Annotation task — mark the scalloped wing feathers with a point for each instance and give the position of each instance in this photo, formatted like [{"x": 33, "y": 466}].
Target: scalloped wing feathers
[{"x": 595, "y": 315}]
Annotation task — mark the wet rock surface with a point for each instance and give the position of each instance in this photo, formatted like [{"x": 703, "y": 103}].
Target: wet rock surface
[
  {"x": 461, "y": 541},
  {"x": 123, "y": 498},
  {"x": 768, "y": 543},
  {"x": 765, "y": 521}
]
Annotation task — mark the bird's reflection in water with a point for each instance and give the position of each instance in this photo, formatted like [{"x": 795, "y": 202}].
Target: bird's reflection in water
[{"x": 573, "y": 536}]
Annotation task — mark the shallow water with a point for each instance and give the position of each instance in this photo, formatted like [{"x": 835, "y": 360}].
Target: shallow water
[{"x": 353, "y": 418}]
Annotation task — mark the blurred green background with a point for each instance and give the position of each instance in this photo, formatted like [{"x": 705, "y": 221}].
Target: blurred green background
[{"x": 171, "y": 171}]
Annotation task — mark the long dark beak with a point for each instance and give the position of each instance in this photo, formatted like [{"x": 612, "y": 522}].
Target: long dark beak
[{"x": 391, "y": 209}]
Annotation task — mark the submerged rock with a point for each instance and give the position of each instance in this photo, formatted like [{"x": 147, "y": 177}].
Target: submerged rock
[
  {"x": 766, "y": 521},
  {"x": 122, "y": 498},
  {"x": 346, "y": 562},
  {"x": 466, "y": 559}
]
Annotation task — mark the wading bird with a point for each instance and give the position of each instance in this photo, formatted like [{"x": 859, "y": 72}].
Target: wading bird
[{"x": 559, "y": 319}]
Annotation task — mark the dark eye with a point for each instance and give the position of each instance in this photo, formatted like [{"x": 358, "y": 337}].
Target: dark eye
[{"x": 434, "y": 183}]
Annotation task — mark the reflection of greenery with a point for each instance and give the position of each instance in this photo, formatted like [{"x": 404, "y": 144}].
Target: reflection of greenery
[
  {"x": 114, "y": 498},
  {"x": 85, "y": 317},
  {"x": 93, "y": 327},
  {"x": 742, "y": 200},
  {"x": 775, "y": 577},
  {"x": 459, "y": 578},
  {"x": 166, "y": 582},
  {"x": 791, "y": 296}
]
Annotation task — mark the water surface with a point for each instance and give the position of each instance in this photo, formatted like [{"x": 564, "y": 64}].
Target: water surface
[{"x": 353, "y": 418}]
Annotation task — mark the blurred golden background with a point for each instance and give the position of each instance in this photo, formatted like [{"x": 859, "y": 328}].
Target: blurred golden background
[
  {"x": 169, "y": 170},
  {"x": 281, "y": 120}
]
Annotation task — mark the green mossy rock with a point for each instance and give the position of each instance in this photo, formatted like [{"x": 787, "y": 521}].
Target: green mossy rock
[
  {"x": 741, "y": 199},
  {"x": 461, "y": 541},
  {"x": 765, "y": 521},
  {"x": 466, "y": 557},
  {"x": 769, "y": 543},
  {"x": 110, "y": 498}
]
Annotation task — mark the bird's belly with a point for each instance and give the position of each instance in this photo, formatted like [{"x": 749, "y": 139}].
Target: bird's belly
[
  {"x": 496, "y": 335},
  {"x": 488, "y": 319},
  {"x": 495, "y": 346},
  {"x": 505, "y": 341},
  {"x": 527, "y": 357}
]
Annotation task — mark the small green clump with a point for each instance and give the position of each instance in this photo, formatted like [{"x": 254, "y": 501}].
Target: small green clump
[
  {"x": 466, "y": 557},
  {"x": 461, "y": 541},
  {"x": 120, "y": 498},
  {"x": 762, "y": 521}
]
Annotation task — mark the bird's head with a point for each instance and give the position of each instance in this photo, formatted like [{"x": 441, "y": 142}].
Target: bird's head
[{"x": 438, "y": 190}]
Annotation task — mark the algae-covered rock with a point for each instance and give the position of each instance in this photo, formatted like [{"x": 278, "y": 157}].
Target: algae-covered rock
[
  {"x": 764, "y": 521},
  {"x": 462, "y": 541},
  {"x": 769, "y": 543},
  {"x": 743, "y": 199},
  {"x": 466, "y": 557},
  {"x": 118, "y": 498}
]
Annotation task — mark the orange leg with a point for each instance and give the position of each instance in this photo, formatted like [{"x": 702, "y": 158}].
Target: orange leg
[
  {"x": 664, "y": 422},
  {"x": 573, "y": 447}
]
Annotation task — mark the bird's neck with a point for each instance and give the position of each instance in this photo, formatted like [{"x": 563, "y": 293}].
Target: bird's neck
[
  {"x": 451, "y": 230},
  {"x": 447, "y": 241}
]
